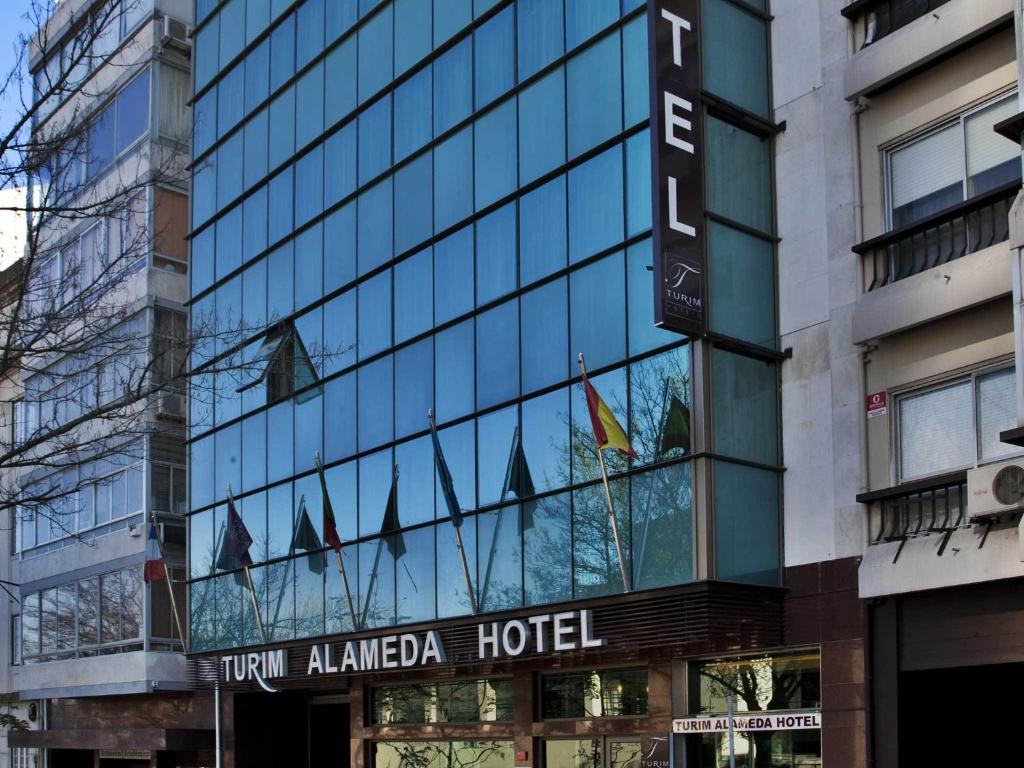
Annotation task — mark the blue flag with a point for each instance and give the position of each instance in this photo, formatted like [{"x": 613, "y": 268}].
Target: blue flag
[{"x": 447, "y": 487}]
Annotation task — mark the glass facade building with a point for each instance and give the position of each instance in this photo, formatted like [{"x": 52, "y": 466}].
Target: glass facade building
[{"x": 439, "y": 205}]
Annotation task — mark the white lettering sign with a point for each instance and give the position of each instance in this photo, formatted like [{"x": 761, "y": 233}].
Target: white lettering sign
[{"x": 775, "y": 721}]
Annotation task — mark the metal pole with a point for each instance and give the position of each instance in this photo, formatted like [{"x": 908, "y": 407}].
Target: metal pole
[
  {"x": 465, "y": 568},
  {"x": 497, "y": 525},
  {"x": 348, "y": 592},
  {"x": 732, "y": 739},
  {"x": 216, "y": 718},
  {"x": 255, "y": 605},
  {"x": 626, "y": 581},
  {"x": 372, "y": 584}
]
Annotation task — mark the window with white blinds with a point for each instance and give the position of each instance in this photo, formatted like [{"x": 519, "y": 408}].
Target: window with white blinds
[
  {"x": 955, "y": 425},
  {"x": 953, "y": 163}
]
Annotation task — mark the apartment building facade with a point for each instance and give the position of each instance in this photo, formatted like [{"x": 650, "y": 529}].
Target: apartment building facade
[{"x": 96, "y": 658}]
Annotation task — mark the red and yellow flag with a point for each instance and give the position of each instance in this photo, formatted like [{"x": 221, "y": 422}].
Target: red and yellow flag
[{"x": 607, "y": 431}]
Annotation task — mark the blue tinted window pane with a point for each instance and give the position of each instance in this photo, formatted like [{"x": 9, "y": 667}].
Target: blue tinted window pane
[
  {"x": 375, "y": 475},
  {"x": 309, "y": 269},
  {"x": 415, "y": 461},
  {"x": 643, "y": 336},
  {"x": 282, "y": 52},
  {"x": 375, "y": 140},
  {"x": 542, "y": 126},
  {"x": 482, "y": 6},
  {"x": 495, "y": 69},
  {"x": 340, "y": 417},
  {"x": 596, "y": 569},
  {"x": 449, "y": 17},
  {"x": 413, "y": 185},
  {"x": 281, "y": 281},
  {"x": 310, "y": 31},
  {"x": 309, "y": 105},
  {"x": 257, "y": 16},
  {"x": 340, "y": 332},
  {"x": 413, "y": 114},
  {"x": 495, "y": 154},
  {"x": 541, "y": 34},
  {"x": 547, "y": 550},
  {"x": 339, "y": 435},
  {"x": 414, "y": 590},
  {"x": 254, "y": 464},
  {"x": 453, "y": 179},
  {"x": 741, "y": 278},
  {"x": 257, "y": 75},
  {"x": 500, "y": 576},
  {"x": 545, "y": 335},
  {"x": 735, "y": 153},
  {"x": 340, "y": 16},
  {"x": 496, "y": 254},
  {"x": 746, "y": 407},
  {"x": 662, "y": 527},
  {"x": 414, "y": 295},
  {"x": 203, "y": 260},
  {"x": 341, "y": 165},
  {"x": 546, "y": 440},
  {"x": 634, "y": 70},
  {"x": 375, "y": 56},
  {"x": 453, "y": 86},
  {"x": 375, "y": 315},
  {"x": 595, "y": 205},
  {"x": 254, "y": 225},
  {"x": 453, "y": 275},
  {"x": 412, "y": 32},
  {"x": 453, "y": 373},
  {"x": 601, "y": 336},
  {"x": 376, "y": 416},
  {"x": 256, "y": 144},
  {"x": 496, "y": 434},
  {"x": 638, "y": 183},
  {"x": 452, "y": 597},
  {"x": 342, "y": 483},
  {"x": 229, "y": 242},
  {"x": 497, "y": 354},
  {"x": 375, "y": 233},
  {"x": 204, "y": 190},
  {"x": 414, "y": 393},
  {"x": 282, "y": 127},
  {"x": 207, "y": 43},
  {"x": 201, "y": 454},
  {"x": 741, "y": 75},
  {"x": 594, "y": 84},
  {"x": 379, "y": 584},
  {"x": 542, "y": 231},
  {"x": 230, "y": 106},
  {"x": 281, "y": 211},
  {"x": 308, "y": 429},
  {"x": 585, "y": 18},
  {"x": 279, "y": 424},
  {"x": 340, "y": 247},
  {"x": 309, "y": 186},
  {"x": 254, "y": 295},
  {"x": 746, "y": 523},
  {"x": 340, "y": 98},
  {"x": 229, "y": 170},
  {"x": 205, "y": 125}
]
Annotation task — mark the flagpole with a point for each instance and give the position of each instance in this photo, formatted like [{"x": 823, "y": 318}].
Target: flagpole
[
  {"x": 252, "y": 589},
  {"x": 170, "y": 588},
  {"x": 456, "y": 528},
  {"x": 373, "y": 582},
  {"x": 341, "y": 560},
  {"x": 497, "y": 524},
  {"x": 626, "y": 581}
]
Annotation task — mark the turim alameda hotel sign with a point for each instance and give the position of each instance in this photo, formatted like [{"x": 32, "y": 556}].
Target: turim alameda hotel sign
[
  {"x": 543, "y": 633},
  {"x": 677, "y": 178}
]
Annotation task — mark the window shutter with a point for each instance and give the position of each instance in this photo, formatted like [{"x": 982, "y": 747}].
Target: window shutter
[
  {"x": 926, "y": 166},
  {"x": 986, "y": 149},
  {"x": 997, "y": 410},
  {"x": 936, "y": 431}
]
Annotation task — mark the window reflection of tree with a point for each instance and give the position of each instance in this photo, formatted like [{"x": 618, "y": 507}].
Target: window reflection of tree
[
  {"x": 448, "y": 702},
  {"x": 445, "y": 754}
]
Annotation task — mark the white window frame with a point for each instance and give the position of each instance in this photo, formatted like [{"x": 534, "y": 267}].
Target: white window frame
[
  {"x": 961, "y": 119},
  {"x": 973, "y": 376}
]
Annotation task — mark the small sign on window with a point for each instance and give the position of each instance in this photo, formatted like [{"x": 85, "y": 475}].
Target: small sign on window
[{"x": 877, "y": 404}]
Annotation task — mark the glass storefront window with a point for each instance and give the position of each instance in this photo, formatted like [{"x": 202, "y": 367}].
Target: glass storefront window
[
  {"x": 444, "y": 754},
  {"x": 764, "y": 684},
  {"x": 462, "y": 701},
  {"x": 604, "y": 693}
]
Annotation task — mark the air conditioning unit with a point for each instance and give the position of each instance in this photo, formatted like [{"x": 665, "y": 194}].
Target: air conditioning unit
[
  {"x": 171, "y": 405},
  {"x": 995, "y": 489},
  {"x": 135, "y": 531},
  {"x": 176, "y": 33}
]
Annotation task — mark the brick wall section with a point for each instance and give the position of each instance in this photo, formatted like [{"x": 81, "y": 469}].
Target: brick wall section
[{"x": 822, "y": 608}]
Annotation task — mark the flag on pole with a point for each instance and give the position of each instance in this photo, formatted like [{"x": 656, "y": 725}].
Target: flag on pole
[
  {"x": 675, "y": 432},
  {"x": 607, "y": 431},
  {"x": 445, "y": 476},
  {"x": 154, "y": 570},
  {"x": 234, "y": 549},
  {"x": 518, "y": 479},
  {"x": 391, "y": 524},
  {"x": 331, "y": 537},
  {"x": 306, "y": 539}
]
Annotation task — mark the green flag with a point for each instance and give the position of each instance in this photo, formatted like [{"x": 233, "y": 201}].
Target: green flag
[{"x": 675, "y": 432}]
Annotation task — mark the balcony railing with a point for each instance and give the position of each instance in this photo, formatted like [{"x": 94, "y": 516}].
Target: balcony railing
[
  {"x": 945, "y": 236},
  {"x": 883, "y": 17},
  {"x": 937, "y": 505}
]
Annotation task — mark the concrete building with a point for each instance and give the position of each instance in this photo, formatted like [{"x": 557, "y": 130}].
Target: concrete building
[{"x": 96, "y": 656}]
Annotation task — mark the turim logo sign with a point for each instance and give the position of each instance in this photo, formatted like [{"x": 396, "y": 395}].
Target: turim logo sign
[{"x": 677, "y": 167}]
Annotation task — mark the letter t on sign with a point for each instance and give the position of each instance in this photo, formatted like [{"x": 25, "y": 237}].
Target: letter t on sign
[{"x": 678, "y": 25}]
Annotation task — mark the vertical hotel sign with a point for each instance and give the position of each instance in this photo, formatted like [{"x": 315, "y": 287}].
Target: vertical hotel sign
[{"x": 677, "y": 178}]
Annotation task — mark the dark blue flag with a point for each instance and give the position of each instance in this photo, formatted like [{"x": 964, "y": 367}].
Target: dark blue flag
[{"x": 447, "y": 487}]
